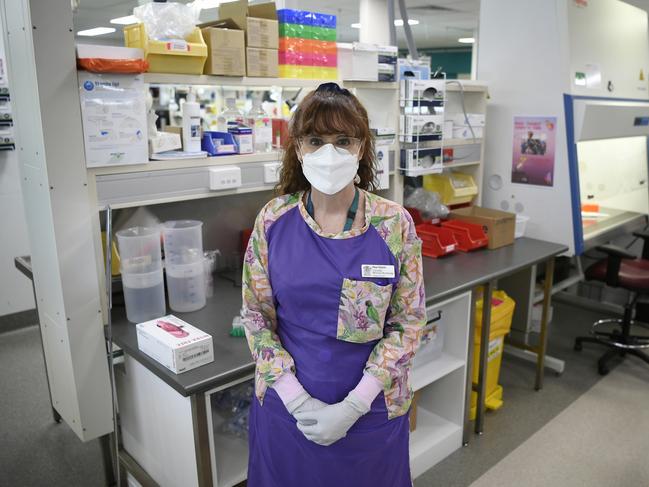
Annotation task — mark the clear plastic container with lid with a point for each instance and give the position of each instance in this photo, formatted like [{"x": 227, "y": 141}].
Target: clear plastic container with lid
[
  {"x": 183, "y": 244},
  {"x": 141, "y": 268}
]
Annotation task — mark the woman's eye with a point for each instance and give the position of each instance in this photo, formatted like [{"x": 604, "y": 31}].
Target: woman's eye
[
  {"x": 315, "y": 141},
  {"x": 343, "y": 141}
]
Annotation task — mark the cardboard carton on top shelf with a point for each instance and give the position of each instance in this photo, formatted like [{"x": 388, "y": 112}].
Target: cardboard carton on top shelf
[
  {"x": 226, "y": 51},
  {"x": 262, "y": 62},
  {"x": 259, "y": 22}
]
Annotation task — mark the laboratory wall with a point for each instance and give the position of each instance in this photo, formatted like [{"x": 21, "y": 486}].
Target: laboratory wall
[{"x": 15, "y": 289}]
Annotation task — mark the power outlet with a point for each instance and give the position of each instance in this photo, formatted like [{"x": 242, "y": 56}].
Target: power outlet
[
  {"x": 225, "y": 177},
  {"x": 271, "y": 172}
]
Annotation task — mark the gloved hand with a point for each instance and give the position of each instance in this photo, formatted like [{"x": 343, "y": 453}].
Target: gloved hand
[
  {"x": 294, "y": 396},
  {"x": 304, "y": 403},
  {"x": 329, "y": 424}
]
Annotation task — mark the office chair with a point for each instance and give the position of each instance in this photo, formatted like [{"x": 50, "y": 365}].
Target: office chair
[{"x": 620, "y": 269}]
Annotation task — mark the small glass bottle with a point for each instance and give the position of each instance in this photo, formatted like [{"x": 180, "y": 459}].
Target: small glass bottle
[
  {"x": 231, "y": 115},
  {"x": 262, "y": 128}
]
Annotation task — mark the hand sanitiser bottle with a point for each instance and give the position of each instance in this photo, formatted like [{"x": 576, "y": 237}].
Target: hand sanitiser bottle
[{"x": 191, "y": 124}]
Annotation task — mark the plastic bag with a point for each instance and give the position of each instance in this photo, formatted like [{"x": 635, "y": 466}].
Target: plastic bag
[
  {"x": 234, "y": 404},
  {"x": 122, "y": 66},
  {"x": 167, "y": 21},
  {"x": 427, "y": 202}
]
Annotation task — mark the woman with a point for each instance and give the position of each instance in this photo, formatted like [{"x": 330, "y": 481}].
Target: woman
[{"x": 334, "y": 308}]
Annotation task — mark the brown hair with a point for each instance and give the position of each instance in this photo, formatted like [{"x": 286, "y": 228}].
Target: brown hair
[{"x": 326, "y": 111}]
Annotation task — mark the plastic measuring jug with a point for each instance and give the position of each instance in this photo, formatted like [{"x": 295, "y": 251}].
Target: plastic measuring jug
[
  {"x": 183, "y": 244},
  {"x": 141, "y": 268}
]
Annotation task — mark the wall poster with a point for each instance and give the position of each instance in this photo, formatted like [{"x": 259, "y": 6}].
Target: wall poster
[{"x": 533, "y": 150}]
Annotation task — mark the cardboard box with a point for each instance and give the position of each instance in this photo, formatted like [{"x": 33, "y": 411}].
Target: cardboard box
[
  {"x": 243, "y": 139},
  {"x": 422, "y": 127},
  {"x": 258, "y": 21},
  {"x": 262, "y": 62},
  {"x": 498, "y": 225},
  {"x": 175, "y": 344},
  {"x": 358, "y": 61},
  {"x": 226, "y": 48}
]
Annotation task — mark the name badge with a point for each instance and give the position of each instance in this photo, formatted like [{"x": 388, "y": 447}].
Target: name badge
[{"x": 371, "y": 270}]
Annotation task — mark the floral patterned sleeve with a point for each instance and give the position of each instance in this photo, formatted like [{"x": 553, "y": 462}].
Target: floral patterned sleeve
[
  {"x": 258, "y": 311},
  {"x": 390, "y": 360}
]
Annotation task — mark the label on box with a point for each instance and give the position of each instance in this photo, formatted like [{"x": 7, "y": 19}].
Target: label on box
[
  {"x": 193, "y": 353},
  {"x": 178, "y": 45},
  {"x": 244, "y": 143},
  {"x": 174, "y": 343}
]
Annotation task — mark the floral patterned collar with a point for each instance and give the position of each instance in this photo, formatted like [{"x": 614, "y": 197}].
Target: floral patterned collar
[{"x": 354, "y": 232}]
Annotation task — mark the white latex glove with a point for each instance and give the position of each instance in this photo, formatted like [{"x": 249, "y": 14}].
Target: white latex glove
[
  {"x": 329, "y": 424},
  {"x": 304, "y": 403}
]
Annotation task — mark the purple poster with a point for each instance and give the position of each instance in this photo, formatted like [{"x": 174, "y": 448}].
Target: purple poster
[{"x": 533, "y": 151}]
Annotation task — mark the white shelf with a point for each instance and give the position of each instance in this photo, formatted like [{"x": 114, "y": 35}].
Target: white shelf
[
  {"x": 437, "y": 144},
  {"x": 468, "y": 86},
  {"x": 231, "y": 455},
  {"x": 434, "y": 439},
  {"x": 427, "y": 373},
  {"x": 211, "y": 80},
  {"x": 437, "y": 169},
  {"x": 459, "y": 142},
  {"x": 452, "y": 165},
  {"x": 273, "y": 156}
]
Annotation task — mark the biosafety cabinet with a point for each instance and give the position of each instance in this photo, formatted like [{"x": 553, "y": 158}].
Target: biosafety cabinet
[{"x": 568, "y": 116}]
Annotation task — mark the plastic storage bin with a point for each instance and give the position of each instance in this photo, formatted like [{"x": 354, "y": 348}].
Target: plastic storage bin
[
  {"x": 502, "y": 312},
  {"x": 455, "y": 188},
  {"x": 174, "y": 56},
  {"x": 469, "y": 236},
  {"x": 436, "y": 241}
]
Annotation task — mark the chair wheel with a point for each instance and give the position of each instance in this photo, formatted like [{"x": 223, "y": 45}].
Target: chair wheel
[
  {"x": 578, "y": 347},
  {"x": 603, "y": 370}
]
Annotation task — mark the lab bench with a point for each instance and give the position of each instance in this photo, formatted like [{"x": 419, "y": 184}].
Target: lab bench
[{"x": 171, "y": 433}]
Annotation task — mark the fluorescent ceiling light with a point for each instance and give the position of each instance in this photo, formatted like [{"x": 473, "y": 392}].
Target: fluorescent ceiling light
[
  {"x": 97, "y": 31},
  {"x": 397, "y": 23},
  {"x": 466, "y": 40},
  {"x": 129, "y": 19}
]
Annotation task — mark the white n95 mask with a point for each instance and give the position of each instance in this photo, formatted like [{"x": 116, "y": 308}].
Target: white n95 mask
[{"x": 329, "y": 169}]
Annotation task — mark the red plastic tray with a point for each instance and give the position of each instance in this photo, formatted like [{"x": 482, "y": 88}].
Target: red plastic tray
[
  {"x": 436, "y": 241},
  {"x": 415, "y": 214},
  {"x": 417, "y": 218},
  {"x": 469, "y": 236}
]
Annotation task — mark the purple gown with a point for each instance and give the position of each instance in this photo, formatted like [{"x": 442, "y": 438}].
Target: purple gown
[{"x": 306, "y": 273}]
